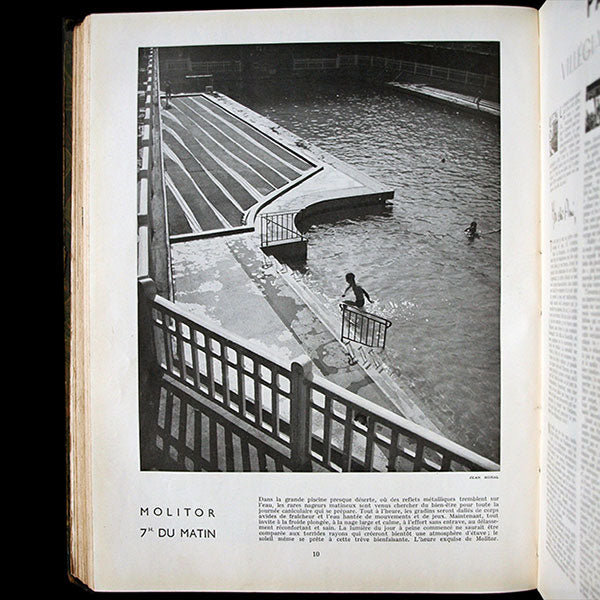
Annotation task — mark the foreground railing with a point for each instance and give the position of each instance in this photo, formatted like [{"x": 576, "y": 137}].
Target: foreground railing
[{"x": 228, "y": 406}]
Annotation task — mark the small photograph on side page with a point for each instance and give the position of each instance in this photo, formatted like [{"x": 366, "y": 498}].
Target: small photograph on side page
[
  {"x": 553, "y": 132},
  {"x": 319, "y": 257},
  {"x": 592, "y": 106}
]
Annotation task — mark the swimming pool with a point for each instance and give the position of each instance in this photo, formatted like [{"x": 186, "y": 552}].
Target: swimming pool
[{"x": 440, "y": 290}]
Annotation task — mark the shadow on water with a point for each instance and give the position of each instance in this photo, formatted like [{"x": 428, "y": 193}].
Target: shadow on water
[
  {"x": 331, "y": 217},
  {"x": 357, "y": 215}
]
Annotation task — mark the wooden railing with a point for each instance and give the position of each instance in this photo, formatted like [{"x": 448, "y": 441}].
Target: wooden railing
[
  {"x": 185, "y": 432},
  {"x": 223, "y": 369},
  {"x": 350, "y": 433},
  {"x": 292, "y": 418},
  {"x": 146, "y": 159}
]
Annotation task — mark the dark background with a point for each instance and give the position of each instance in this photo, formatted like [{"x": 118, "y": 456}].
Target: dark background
[{"x": 51, "y": 549}]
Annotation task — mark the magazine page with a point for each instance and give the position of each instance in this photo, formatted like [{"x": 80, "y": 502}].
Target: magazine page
[
  {"x": 570, "y": 99},
  {"x": 314, "y": 313}
]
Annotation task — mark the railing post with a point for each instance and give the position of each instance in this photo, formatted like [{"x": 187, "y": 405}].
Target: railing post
[
  {"x": 300, "y": 414},
  {"x": 146, "y": 345},
  {"x": 149, "y": 375}
]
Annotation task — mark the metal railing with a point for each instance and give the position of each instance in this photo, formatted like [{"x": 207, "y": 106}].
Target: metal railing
[
  {"x": 216, "y": 66},
  {"x": 363, "y": 327},
  {"x": 186, "y": 65},
  {"x": 395, "y": 66},
  {"x": 226, "y": 405},
  {"x": 309, "y": 64},
  {"x": 278, "y": 227}
]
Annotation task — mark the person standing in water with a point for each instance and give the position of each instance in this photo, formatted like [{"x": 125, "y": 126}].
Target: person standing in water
[
  {"x": 471, "y": 230},
  {"x": 359, "y": 293},
  {"x": 479, "y": 96}
]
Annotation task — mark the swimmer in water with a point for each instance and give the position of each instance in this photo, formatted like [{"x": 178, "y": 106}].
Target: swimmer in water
[
  {"x": 471, "y": 230},
  {"x": 359, "y": 293}
]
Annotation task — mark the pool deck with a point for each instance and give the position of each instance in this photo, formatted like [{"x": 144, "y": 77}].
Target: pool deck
[
  {"x": 223, "y": 276},
  {"x": 462, "y": 101}
]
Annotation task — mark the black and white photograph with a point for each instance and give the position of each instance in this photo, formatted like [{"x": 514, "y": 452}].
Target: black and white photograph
[
  {"x": 592, "y": 105},
  {"x": 319, "y": 257},
  {"x": 553, "y": 130}
]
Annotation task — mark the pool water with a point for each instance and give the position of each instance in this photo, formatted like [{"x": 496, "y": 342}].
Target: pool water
[{"x": 440, "y": 289}]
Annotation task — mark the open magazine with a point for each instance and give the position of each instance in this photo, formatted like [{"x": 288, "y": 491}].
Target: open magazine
[{"x": 335, "y": 301}]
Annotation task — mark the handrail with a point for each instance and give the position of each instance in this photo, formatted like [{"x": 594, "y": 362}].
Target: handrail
[
  {"x": 363, "y": 327},
  {"x": 277, "y": 227},
  {"x": 416, "y": 68},
  {"x": 268, "y": 218}
]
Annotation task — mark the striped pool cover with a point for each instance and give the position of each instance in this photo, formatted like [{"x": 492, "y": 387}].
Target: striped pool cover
[{"x": 217, "y": 166}]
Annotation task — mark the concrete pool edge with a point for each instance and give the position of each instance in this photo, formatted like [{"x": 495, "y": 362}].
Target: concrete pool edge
[{"x": 483, "y": 108}]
